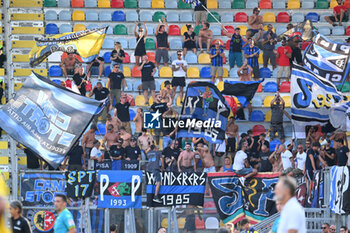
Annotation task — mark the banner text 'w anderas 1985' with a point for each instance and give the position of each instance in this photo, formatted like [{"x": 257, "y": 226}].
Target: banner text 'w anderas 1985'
[
  {"x": 204, "y": 113},
  {"x": 47, "y": 118}
]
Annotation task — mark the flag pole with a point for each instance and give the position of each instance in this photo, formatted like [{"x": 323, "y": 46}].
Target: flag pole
[{"x": 214, "y": 17}]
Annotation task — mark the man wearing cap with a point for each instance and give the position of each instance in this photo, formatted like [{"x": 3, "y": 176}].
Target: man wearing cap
[
  {"x": 133, "y": 152},
  {"x": 179, "y": 67},
  {"x": 217, "y": 55},
  {"x": 236, "y": 44},
  {"x": 255, "y": 21},
  {"x": 269, "y": 42},
  {"x": 100, "y": 93}
]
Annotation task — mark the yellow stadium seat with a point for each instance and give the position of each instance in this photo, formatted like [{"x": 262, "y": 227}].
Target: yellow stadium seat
[
  {"x": 2, "y": 71},
  {"x": 178, "y": 101},
  {"x": 127, "y": 71},
  {"x": 181, "y": 223},
  {"x": 269, "y": 17},
  {"x": 267, "y": 101},
  {"x": 4, "y": 145},
  {"x": 265, "y": 29},
  {"x": 260, "y": 59},
  {"x": 333, "y": 4},
  {"x": 225, "y": 73},
  {"x": 268, "y": 116},
  {"x": 287, "y": 101},
  {"x": 165, "y": 222},
  {"x": 27, "y": 72},
  {"x": 183, "y": 29},
  {"x": 104, "y": 4},
  {"x": 18, "y": 86},
  {"x": 140, "y": 100},
  {"x": 3, "y": 100},
  {"x": 193, "y": 72},
  {"x": 22, "y": 160},
  {"x": 204, "y": 58},
  {"x": 150, "y": 101},
  {"x": 243, "y": 30},
  {"x": 165, "y": 72},
  {"x": 6, "y": 177},
  {"x": 220, "y": 86},
  {"x": 78, "y": 16},
  {"x": 79, "y": 27},
  {"x": 293, "y": 4},
  {"x": 26, "y": 3},
  {"x": 29, "y": 17},
  {"x": 20, "y": 58},
  {"x": 27, "y": 30},
  {"x": 23, "y": 43},
  {"x": 157, "y": 4},
  {"x": 4, "y": 160},
  {"x": 212, "y": 4}
]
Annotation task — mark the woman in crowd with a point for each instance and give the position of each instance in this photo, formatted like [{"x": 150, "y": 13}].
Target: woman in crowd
[
  {"x": 140, "y": 49},
  {"x": 190, "y": 39}
]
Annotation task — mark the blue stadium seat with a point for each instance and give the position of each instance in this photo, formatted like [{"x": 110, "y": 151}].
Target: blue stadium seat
[
  {"x": 171, "y": 4},
  {"x": 132, "y": 114},
  {"x": 312, "y": 16},
  {"x": 279, "y": 4},
  {"x": 145, "y": 4},
  {"x": 191, "y": 58},
  {"x": 91, "y": 16},
  {"x": 150, "y": 29},
  {"x": 233, "y": 73},
  {"x": 132, "y": 43},
  {"x": 251, "y": 4},
  {"x": 136, "y": 84},
  {"x": 65, "y": 28},
  {"x": 186, "y": 16},
  {"x": 273, "y": 144},
  {"x": 175, "y": 44},
  {"x": 265, "y": 73},
  {"x": 257, "y": 101},
  {"x": 223, "y": 4},
  {"x": 298, "y": 18},
  {"x": 105, "y": 16},
  {"x": 280, "y": 29},
  {"x": 288, "y": 130},
  {"x": 270, "y": 87},
  {"x": 101, "y": 129},
  {"x": 156, "y": 75},
  {"x": 157, "y": 86},
  {"x": 129, "y": 85},
  {"x": 145, "y": 16},
  {"x": 57, "y": 81},
  {"x": 257, "y": 116},
  {"x": 227, "y": 18},
  {"x": 118, "y": 16},
  {"x": 109, "y": 30},
  {"x": 65, "y": 16},
  {"x": 63, "y": 3},
  {"x": 275, "y": 71},
  {"x": 205, "y": 72},
  {"x": 92, "y": 26},
  {"x": 123, "y": 42},
  {"x": 108, "y": 43},
  {"x": 322, "y": 19},
  {"x": 55, "y": 71},
  {"x": 338, "y": 31},
  {"x": 90, "y": 3},
  {"x": 107, "y": 57},
  {"x": 216, "y": 30},
  {"x": 173, "y": 57},
  {"x": 324, "y": 30},
  {"x": 50, "y": 15},
  {"x": 172, "y": 17},
  {"x": 107, "y": 71},
  {"x": 307, "y": 5},
  {"x": 131, "y": 16},
  {"x": 51, "y": 28}
]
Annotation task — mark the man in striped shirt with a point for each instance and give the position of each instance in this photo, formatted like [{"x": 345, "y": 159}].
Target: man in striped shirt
[
  {"x": 251, "y": 53},
  {"x": 217, "y": 55}
]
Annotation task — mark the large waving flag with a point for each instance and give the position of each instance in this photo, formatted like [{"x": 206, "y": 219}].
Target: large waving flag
[
  {"x": 328, "y": 59},
  {"x": 312, "y": 97},
  {"x": 304, "y": 31},
  {"x": 85, "y": 43},
  {"x": 340, "y": 116},
  {"x": 204, "y": 113},
  {"x": 243, "y": 90},
  {"x": 47, "y": 118}
]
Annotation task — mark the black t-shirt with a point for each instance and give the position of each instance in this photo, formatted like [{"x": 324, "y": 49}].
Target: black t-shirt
[
  {"x": 132, "y": 152},
  {"x": 120, "y": 54},
  {"x": 170, "y": 127},
  {"x": 101, "y": 94},
  {"x": 146, "y": 71},
  {"x": 162, "y": 107},
  {"x": 75, "y": 155},
  {"x": 168, "y": 152},
  {"x": 308, "y": 164},
  {"x": 266, "y": 143},
  {"x": 2, "y": 60},
  {"x": 331, "y": 162},
  {"x": 265, "y": 165},
  {"x": 200, "y": 6},
  {"x": 32, "y": 159},
  {"x": 276, "y": 113},
  {"x": 162, "y": 40},
  {"x": 341, "y": 155},
  {"x": 296, "y": 55},
  {"x": 116, "y": 80},
  {"x": 20, "y": 225},
  {"x": 123, "y": 111},
  {"x": 176, "y": 153},
  {"x": 254, "y": 148},
  {"x": 116, "y": 152},
  {"x": 77, "y": 78}
]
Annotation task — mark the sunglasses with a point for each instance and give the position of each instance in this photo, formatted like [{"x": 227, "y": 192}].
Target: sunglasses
[
  {"x": 180, "y": 54},
  {"x": 324, "y": 227}
]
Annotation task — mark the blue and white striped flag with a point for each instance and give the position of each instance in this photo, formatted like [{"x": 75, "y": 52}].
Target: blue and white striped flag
[
  {"x": 192, "y": 2},
  {"x": 312, "y": 96},
  {"x": 340, "y": 116},
  {"x": 47, "y": 118}
]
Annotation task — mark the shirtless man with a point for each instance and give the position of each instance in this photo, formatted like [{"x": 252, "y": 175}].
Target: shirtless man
[
  {"x": 125, "y": 136},
  {"x": 186, "y": 162},
  {"x": 113, "y": 120},
  {"x": 167, "y": 93},
  {"x": 110, "y": 138},
  {"x": 255, "y": 22},
  {"x": 144, "y": 141},
  {"x": 245, "y": 72},
  {"x": 207, "y": 159},
  {"x": 232, "y": 135},
  {"x": 204, "y": 36},
  {"x": 69, "y": 64},
  {"x": 138, "y": 119},
  {"x": 87, "y": 143}
]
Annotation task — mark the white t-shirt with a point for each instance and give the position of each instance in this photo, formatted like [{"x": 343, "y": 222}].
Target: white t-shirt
[
  {"x": 292, "y": 217},
  {"x": 301, "y": 159},
  {"x": 95, "y": 153},
  {"x": 180, "y": 72},
  {"x": 238, "y": 162},
  {"x": 285, "y": 156}
]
